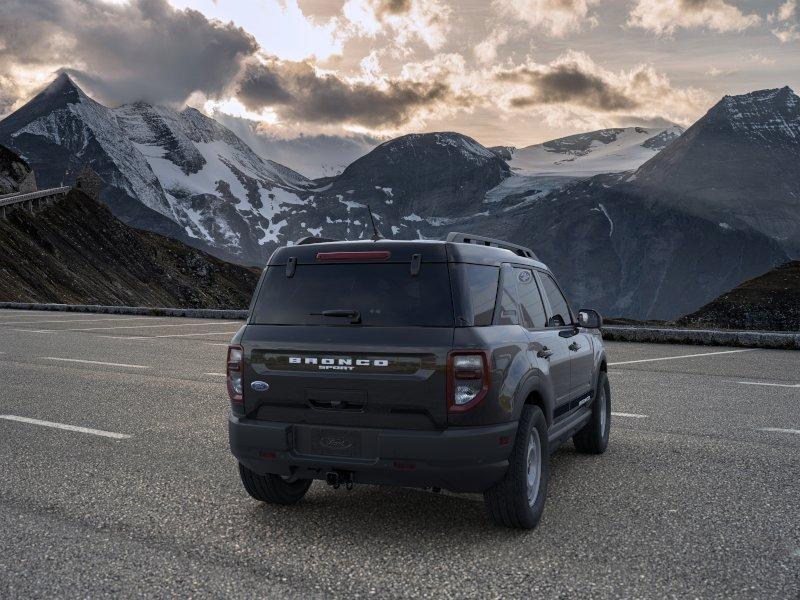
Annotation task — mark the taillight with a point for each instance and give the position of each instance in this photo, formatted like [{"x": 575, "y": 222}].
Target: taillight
[
  {"x": 234, "y": 371},
  {"x": 467, "y": 379}
]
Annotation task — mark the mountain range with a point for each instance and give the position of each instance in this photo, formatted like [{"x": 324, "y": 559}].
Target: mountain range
[{"x": 637, "y": 222}]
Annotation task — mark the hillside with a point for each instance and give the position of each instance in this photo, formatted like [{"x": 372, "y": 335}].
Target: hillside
[
  {"x": 76, "y": 252},
  {"x": 15, "y": 174},
  {"x": 769, "y": 302}
]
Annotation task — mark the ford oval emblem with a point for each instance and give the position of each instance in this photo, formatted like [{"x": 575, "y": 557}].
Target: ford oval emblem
[{"x": 260, "y": 386}]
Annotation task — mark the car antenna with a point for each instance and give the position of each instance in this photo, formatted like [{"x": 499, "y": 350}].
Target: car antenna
[{"x": 376, "y": 235}]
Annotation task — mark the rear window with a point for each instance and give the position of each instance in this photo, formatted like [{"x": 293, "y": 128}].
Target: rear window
[{"x": 384, "y": 294}]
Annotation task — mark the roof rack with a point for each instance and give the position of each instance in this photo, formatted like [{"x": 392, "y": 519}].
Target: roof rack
[
  {"x": 468, "y": 238},
  {"x": 313, "y": 239}
]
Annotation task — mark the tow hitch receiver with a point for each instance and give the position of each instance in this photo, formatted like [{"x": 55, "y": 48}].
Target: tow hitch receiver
[{"x": 336, "y": 479}]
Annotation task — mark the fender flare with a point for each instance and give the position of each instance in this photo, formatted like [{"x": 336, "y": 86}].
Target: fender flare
[{"x": 535, "y": 383}]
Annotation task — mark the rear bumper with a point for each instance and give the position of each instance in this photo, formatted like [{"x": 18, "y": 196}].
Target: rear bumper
[{"x": 459, "y": 459}]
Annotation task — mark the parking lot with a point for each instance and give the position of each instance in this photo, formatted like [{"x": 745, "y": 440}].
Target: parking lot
[{"x": 116, "y": 479}]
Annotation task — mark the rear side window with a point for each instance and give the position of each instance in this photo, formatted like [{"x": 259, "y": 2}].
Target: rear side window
[
  {"x": 475, "y": 288},
  {"x": 530, "y": 300},
  {"x": 558, "y": 303},
  {"x": 384, "y": 294},
  {"x": 507, "y": 301}
]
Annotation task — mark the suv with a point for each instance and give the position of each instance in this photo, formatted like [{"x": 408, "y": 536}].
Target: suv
[{"x": 452, "y": 364}]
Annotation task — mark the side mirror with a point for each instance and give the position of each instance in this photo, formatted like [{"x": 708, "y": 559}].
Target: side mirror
[{"x": 589, "y": 318}]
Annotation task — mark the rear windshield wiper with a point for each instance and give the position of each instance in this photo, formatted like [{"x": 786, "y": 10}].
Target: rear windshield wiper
[{"x": 353, "y": 315}]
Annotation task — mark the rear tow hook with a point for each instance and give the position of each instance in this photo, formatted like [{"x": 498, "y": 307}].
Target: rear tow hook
[{"x": 335, "y": 479}]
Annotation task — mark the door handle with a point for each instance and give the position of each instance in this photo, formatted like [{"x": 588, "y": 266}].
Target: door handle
[
  {"x": 545, "y": 352},
  {"x": 574, "y": 346}
]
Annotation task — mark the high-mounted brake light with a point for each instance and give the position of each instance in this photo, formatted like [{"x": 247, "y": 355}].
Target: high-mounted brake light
[
  {"x": 234, "y": 371},
  {"x": 468, "y": 379},
  {"x": 368, "y": 255}
]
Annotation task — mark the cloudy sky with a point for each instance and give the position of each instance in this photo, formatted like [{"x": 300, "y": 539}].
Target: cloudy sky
[{"x": 503, "y": 71}]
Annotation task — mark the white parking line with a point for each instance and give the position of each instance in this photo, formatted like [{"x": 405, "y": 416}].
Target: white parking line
[
  {"x": 100, "y": 432},
  {"x": 131, "y": 327},
  {"x": 216, "y": 374},
  {"x": 196, "y": 333},
  {"x": 628, "y": 415},
  {"x": 73, "y": 320},
  {"x": 779, "y": 430},
  {"x": 784, "y": 385},
  {"x": 94, "y": 362},
  {"x": 644, "y": 360}
]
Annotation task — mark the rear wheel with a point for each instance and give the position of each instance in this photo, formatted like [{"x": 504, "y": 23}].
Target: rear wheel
[
  {"x": 593, "y": 438},
  {"x": 273, "y": 488},
  {"x": 518, "y": 500}
]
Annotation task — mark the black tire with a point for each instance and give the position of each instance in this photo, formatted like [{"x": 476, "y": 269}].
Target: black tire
[
  {"x": 273, "y": 488},
  {"x": 507, "y": 503},
  {"x": 593, "y": 438}
]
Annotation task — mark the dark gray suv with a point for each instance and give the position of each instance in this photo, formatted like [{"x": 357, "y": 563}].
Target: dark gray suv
[{"x": 454, "y": 364}]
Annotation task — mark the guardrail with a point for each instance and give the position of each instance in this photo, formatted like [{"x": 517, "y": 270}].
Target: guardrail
[
  {"x": 16, "y": 198},
  {"x": 31, "y": 200},
  {"x": 197, "y": 313},
  {"x": 622, "y": 333},
  {"x": 707, "y": 337}
]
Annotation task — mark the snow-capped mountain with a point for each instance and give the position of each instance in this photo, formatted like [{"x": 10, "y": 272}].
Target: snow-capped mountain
[
  {"x": 593, "y": 153},
  {"x": 176, "y": 172},
  {"x": 737, "y": 166}
]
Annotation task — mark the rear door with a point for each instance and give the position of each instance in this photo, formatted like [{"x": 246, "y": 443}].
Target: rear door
[
  {"x": 351, "y": 342},
  {"x": 549, "y": 348}
]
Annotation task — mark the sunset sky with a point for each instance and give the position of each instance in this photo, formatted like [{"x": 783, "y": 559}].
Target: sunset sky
[{"x": 504, "y": 72}]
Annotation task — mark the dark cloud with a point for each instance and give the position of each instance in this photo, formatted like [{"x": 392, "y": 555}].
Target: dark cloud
[
  {"x": 567, "y": 83},
  {"x": 297, "y": 92},
  {"x": 141, "y": 50}
]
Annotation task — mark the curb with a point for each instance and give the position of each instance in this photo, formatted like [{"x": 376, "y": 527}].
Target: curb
[
  {"x": 706, "y": 337},
  {"x": 197, "y": 313}
]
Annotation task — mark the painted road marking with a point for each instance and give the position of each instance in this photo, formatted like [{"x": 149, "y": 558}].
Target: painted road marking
[
  {"x": 72, "y": 320},
  {"x": 628, "y": 415},
  {"x": 191, "y": 334},
  {"x": 779, "y": 430},
  {"x": 216, "y": 374},
  {"x": 94, "y": 362},
  {"x": 100, "y": 432},
  {"x": 784, "y": 385},
  {"x": 153, "y": 337},
  {"x": 132, "y": 327},
  {"x": 644, "y": 360},
  {"x": 216, "y": 344}
]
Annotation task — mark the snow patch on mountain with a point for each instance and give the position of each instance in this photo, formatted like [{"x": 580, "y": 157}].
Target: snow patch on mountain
[{"x": 594, "y": 153}]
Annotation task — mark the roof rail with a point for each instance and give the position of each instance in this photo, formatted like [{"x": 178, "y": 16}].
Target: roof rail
[
  {"x": 313, "y": 239},
  {"x": 468, "y": 238}
]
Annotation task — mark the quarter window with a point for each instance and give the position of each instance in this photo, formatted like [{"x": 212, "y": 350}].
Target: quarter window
[
  {"x": 530, "y": 300},
  {"x": 507, "y": 302}
]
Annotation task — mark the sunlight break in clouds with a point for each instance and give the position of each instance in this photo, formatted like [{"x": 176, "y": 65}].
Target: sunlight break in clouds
[
  {"x": 664, "y": 17},
  {"x": 280, "y": 28},
  {"x": 403, "y": 20},
  {"x": 557, "y": 17}
]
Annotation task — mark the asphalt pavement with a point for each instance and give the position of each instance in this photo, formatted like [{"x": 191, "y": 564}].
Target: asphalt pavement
[{"x": 116, "y": 480}]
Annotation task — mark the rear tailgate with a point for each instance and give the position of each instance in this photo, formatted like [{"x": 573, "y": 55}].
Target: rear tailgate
[
  {"x": 385, "y": 377},
  {"x": 353, "y": 338}
]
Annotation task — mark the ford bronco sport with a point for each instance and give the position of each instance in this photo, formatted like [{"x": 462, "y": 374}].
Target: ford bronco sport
[{"x": 454, "y": 364}]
